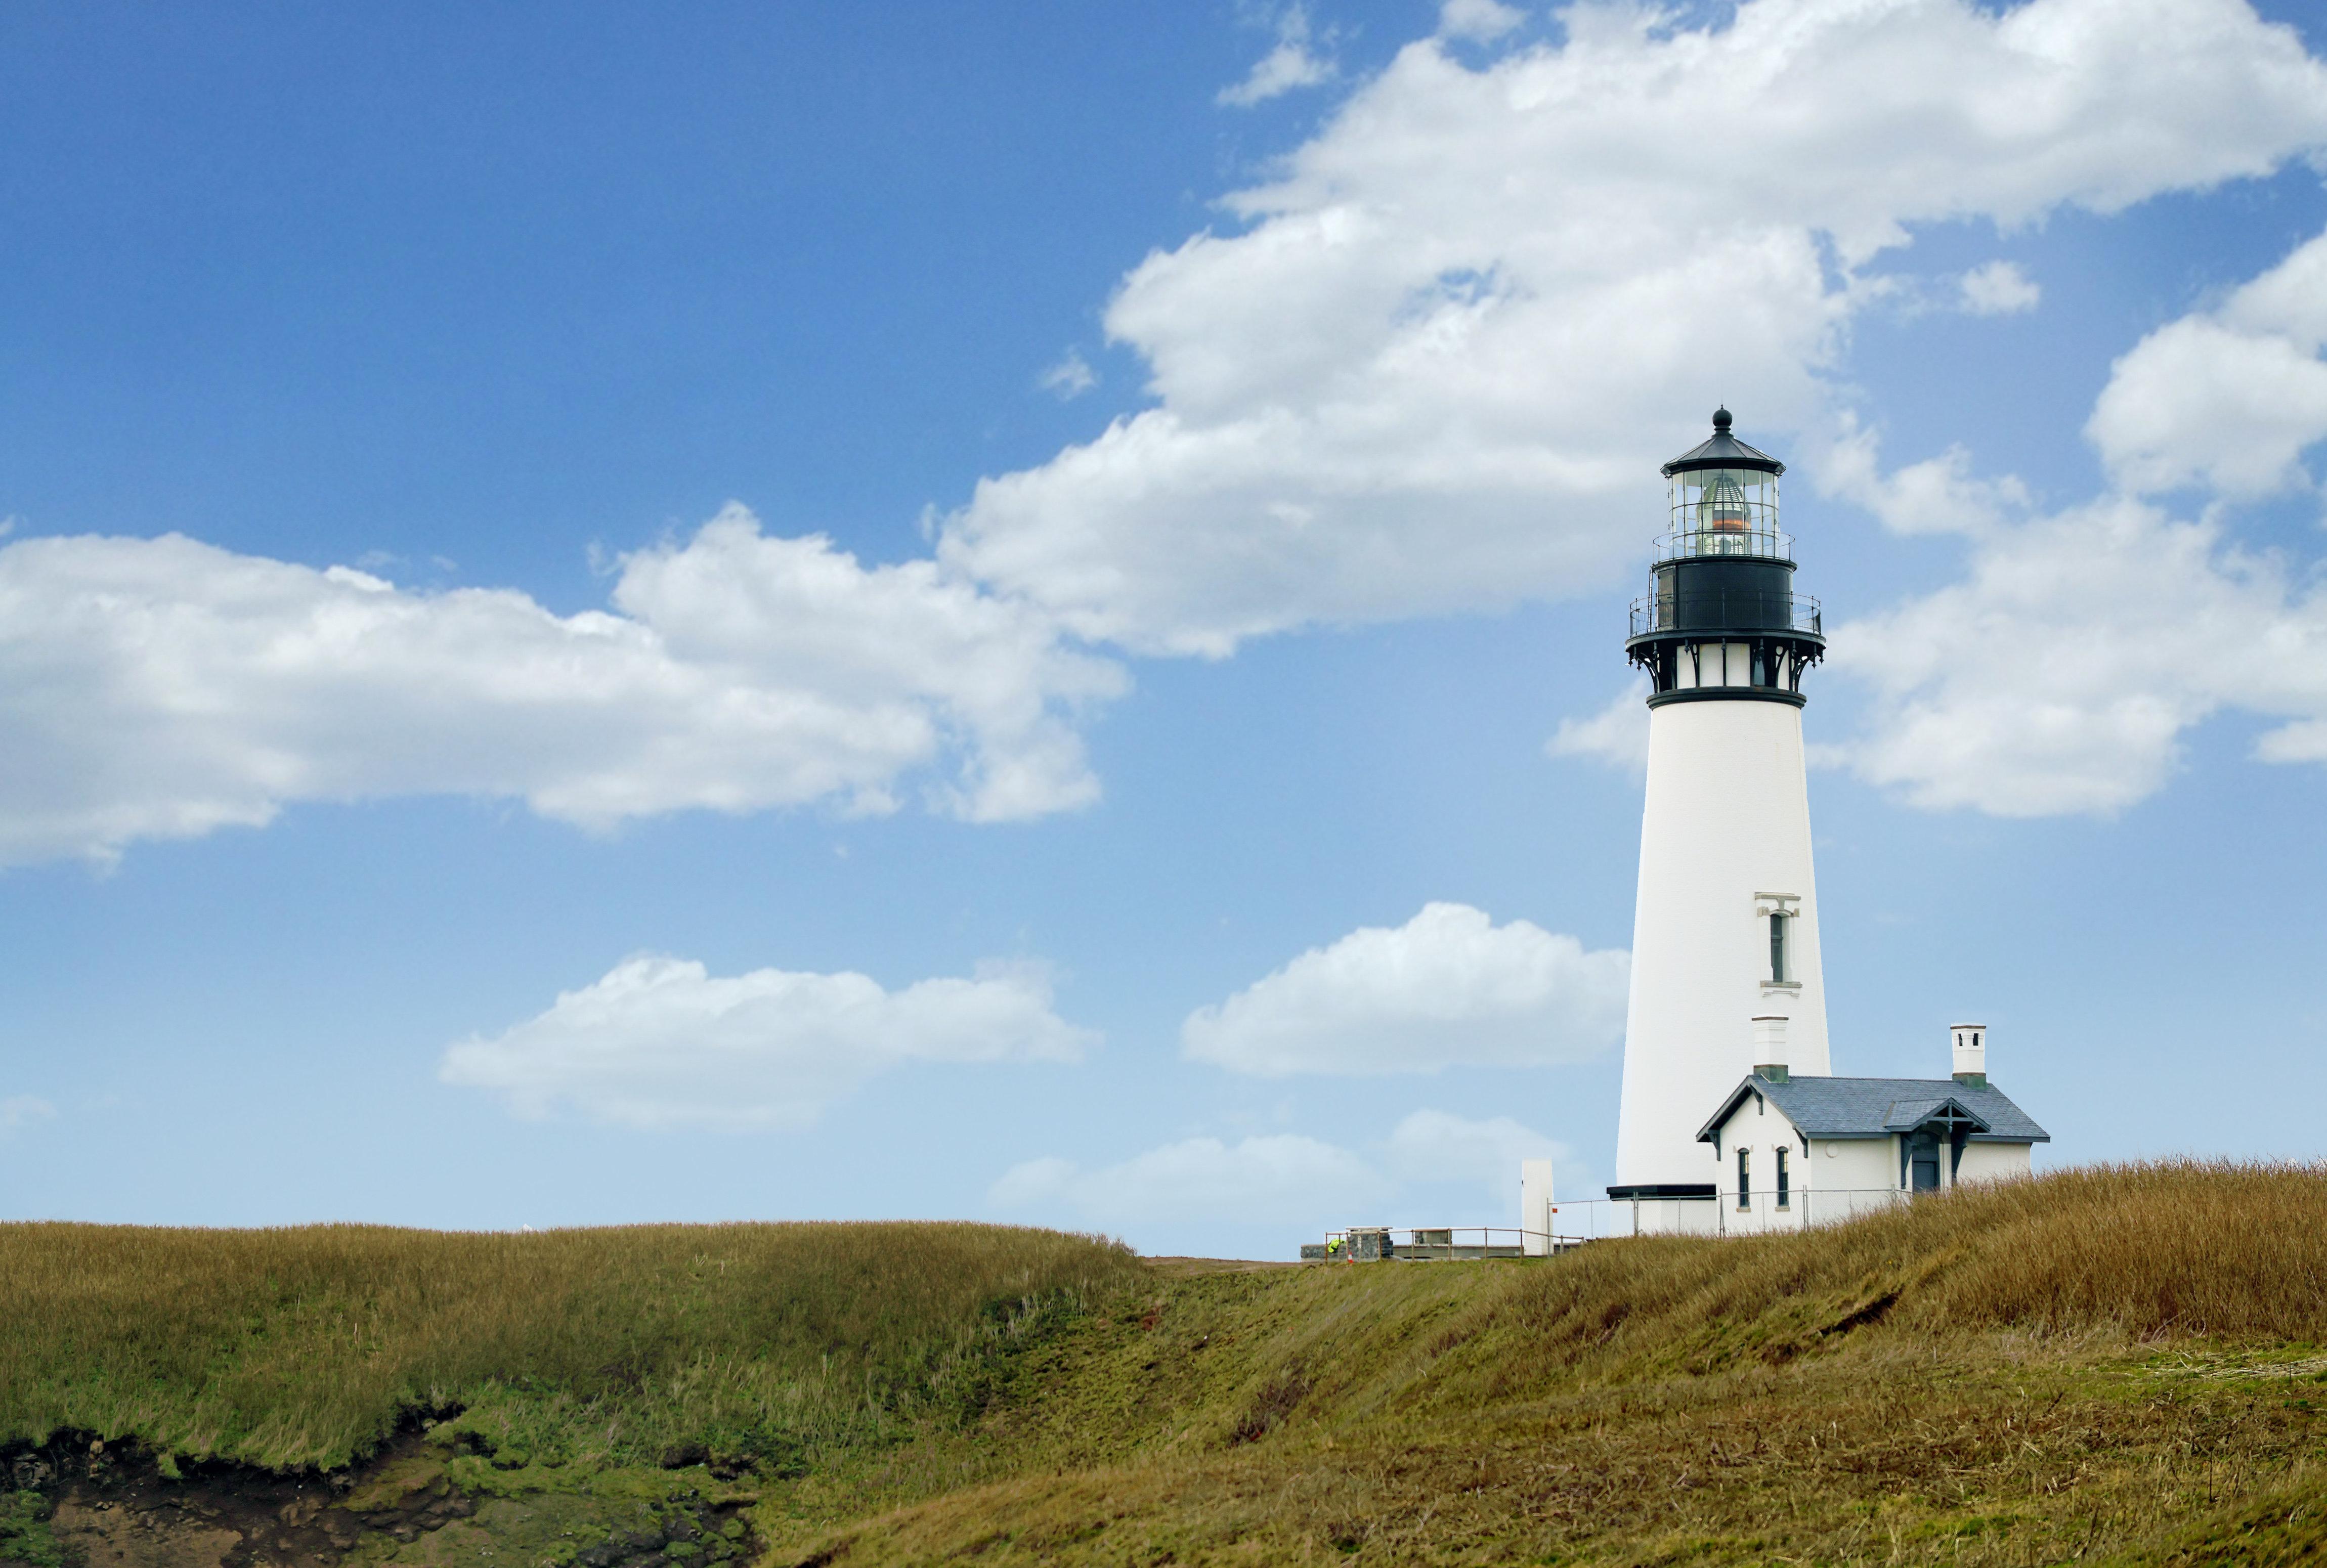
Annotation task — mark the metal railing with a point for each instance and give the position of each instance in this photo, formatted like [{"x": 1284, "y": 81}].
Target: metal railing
[
  {"x": 1760, "y": 1212},
  {"x": 1762, "y": 541},
  {"x": 1448, "y": 1243},
  {"x": 1717, "y": 612},
  {"x": 1590, "y": 1219},
  {"x": 1605, "y": 1219}
]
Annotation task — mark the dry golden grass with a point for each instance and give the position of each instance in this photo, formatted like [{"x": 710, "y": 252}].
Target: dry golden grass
[
  {"x": 2110, "y": 1363},
  {"x": 2182, "y": 1247},
  {"x": 305, "y": 1346}
]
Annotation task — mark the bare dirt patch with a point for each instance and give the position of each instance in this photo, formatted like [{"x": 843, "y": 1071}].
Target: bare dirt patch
[{"x": 108, "y": 1506}]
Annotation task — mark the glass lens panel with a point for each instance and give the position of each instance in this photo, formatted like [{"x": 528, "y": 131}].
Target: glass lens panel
[{"x": 1723, "y": 505}]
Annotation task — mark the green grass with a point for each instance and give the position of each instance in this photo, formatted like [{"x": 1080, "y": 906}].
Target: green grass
[
  {"x": 2108, "y": 1363},
  {"x": 25, "y": 1534},
  {"x": 306, "y": 1347},
  {"x": 2112, "y": 1365}
]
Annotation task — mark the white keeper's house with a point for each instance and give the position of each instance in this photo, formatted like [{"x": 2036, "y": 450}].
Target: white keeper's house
[
  {"x": 1732, "y": 1119},
  {"x": 1794, "y": 1151}
]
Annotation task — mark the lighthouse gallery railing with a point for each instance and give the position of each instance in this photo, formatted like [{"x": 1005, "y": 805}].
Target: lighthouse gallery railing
[{"x": 1718, "y": 610}]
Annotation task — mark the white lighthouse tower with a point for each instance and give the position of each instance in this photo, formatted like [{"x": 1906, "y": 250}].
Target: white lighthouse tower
[{"x": 1726, "y": 932}]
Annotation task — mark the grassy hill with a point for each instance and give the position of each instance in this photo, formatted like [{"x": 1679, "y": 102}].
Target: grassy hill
[
  {"x": 306, "y": 1347},
  {"x": 2117, "y": 1365}
]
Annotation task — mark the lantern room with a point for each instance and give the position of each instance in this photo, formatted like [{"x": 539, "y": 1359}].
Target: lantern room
[
  {"x": 1725, "y": 511},
  {"x": 1725, "y": 619},
  {"x": 1723, "y": 500}
]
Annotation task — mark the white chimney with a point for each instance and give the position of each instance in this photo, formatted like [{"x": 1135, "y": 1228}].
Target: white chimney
[
  {"x": 1971, "y": 1054},
  {"x": 1769, "y": 1047}
]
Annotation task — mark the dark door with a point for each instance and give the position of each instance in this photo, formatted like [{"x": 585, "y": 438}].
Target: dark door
[{"x": 1923, "y": 1162}]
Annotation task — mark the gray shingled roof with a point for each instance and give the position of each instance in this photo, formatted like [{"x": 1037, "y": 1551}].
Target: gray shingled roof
[{"x": 1867, "y": 1107}]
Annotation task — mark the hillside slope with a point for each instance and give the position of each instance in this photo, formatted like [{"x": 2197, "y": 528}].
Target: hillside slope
[
  {"x": 305, "y": 1346},
  {"x": 2105, "y": 1366}
]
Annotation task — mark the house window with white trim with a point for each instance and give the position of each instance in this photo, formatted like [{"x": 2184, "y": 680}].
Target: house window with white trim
[
  {"x": 1744, "y": 1178},
  {"x": 1785, "y": 1181}
]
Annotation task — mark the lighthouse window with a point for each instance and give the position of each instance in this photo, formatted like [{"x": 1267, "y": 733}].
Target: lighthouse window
[
  {"x": 1778, "y": 949},
  {"x": 1723, "y": 509},
  {"x": 1744, "y": 1178}
]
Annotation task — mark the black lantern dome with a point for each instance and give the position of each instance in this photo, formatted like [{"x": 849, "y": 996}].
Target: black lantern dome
[
  {"x": 1723, "y": 451},
  {"x": 1724, "y": 622}
]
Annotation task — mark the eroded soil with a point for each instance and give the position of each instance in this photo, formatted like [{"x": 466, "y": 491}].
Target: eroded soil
[{"x": 106, "y": 1507}]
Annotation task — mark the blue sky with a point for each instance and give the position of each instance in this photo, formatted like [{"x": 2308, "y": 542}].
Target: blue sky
[{"x": 795, "y": 612}]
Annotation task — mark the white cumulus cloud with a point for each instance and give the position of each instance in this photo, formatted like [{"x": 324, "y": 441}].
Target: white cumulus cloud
[
  {"x": 1432, "y": 364},
  {"x": 2064, "y": 671},
  {"x": 2227, "y": 398},
  {"x": 1999, "y": 288},
  {"x": 1482, "y": 21},
  {"x": 1069, "y": 379},
  {"x": 2061, "y": 674},
  {"x": 1617, "y": 734},
  {"x": 161, "y": 688},
  {"x": 1289, "y": 67},
  {"x": 661, "y": 1042},
  {"x": 1448, "y": 988},
  {"x": 1940, "y": 495},
  {"x": 1430, "y": 1146},
  {"x": 1280, "y": 1178},
  {"x": 1284, "y": 1176}
]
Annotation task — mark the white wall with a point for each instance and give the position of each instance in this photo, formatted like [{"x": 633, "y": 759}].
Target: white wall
[
  {"x": 1761, "y": 1129},
  {"x": 1838, "y": 1178},
  {"x": 1993, "y": 1162},
  {"x": 1727, "y": 816},
  {"x": 1678, "y": 1216},
  {"x": 1853, "y": 1175}
]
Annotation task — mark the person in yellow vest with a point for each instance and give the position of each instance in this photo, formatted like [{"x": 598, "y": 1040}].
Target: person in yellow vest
[{"x": 1332, "y": 1248}]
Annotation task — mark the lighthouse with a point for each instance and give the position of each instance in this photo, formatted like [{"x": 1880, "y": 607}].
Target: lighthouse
[{"x": 1726, "y": 973}]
